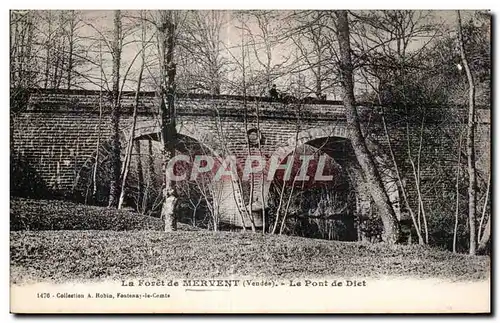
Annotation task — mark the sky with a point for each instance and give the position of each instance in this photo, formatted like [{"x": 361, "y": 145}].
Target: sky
[{"x": 98, "y": 24}]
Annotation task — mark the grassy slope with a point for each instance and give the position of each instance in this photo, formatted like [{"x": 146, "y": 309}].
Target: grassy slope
[
  {"x": 26, "y": 214},
  {"x": 93, "y": 254}
]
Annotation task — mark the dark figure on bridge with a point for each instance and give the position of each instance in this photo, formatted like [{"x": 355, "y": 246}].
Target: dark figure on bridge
[{"x": 273, "y": 93}]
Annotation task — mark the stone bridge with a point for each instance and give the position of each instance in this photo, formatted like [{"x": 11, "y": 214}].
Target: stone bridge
[{"x": 56, "y": 133}]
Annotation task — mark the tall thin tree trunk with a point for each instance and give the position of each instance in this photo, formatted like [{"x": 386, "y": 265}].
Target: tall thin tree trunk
[
  {"x": 363, "y": 155},
  {"x": 485, "y": 205},
  {"x": 471, "y": 158},
  {"x": 151, "y": 178},
  {"x": 140, "y": 176},
  {"x": 130, "y": 144},
  {"x": 98, "y": 145},
  {"x": 416, "y": 224},
  {"x": 252, "y": 177},
  {"x": 416, "y": 175},
  {"x": 70, "y": 50},
  {"x": 283, "y": 185},
  {"x": 485, "y": 238},
  {"x": 128, "y": 155},
  {"x": 259, "y": 146},
  {"x": 14, "y": 43},
  {"x": 166, "y": 94},
  {"x": 47, "y": 65},
  {"x": 115, "y": 114},
  {"x": 47, "y": 50},
  {"x": 419, "y": 155},
  {"x": 27, "y": 53},
  {"x": 457, "y": 192}
]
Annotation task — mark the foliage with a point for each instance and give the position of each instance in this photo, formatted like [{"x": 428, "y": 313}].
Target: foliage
[{"x": 25, "y": 181}]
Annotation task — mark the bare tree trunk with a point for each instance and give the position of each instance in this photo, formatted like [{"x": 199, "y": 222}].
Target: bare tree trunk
[
  {"x": 128, "y": 155},
  {"x": 252, "y": 184},
  {"x": 282, "y": 191},
  {"x": 140, "y": 175},
  {"x": 150, "y": 178},
  {"x": 418, "y": 180},
  {"x": 416, "y": 175},
  {"x": 485, "y": 205},
  {"x": 259, "y": 146},
  {"x": 166, "y": 30},
  {"x": 71, "y": 39},
  {"x": 130, "y": 144},
  {"x": 47, "y": 53},
  {"x": 96, "y": 164},
  {"x": 471, "y": 158},
  {"x": 115, "y": 113},
  {"x": 290, "y": 196},
  {"x": 403, "y": 189},
  {"x": 485, "y": 237},
  {"x": 363, "y": 155},
  {"x": 252, "y": 177},
  {"x": 483, "y": 243},
  {"x": 457, "y": 191},
  {"x": 14, "y": 43},
  {"x": 98, "y": 146}
]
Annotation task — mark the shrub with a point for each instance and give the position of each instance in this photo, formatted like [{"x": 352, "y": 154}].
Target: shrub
[
  {"x": 25, "y": 181},
  {"x": 37, "y": 215}
]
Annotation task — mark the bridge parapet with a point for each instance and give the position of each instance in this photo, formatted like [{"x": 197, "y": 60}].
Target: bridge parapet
[{"x": 186, "y": 104}]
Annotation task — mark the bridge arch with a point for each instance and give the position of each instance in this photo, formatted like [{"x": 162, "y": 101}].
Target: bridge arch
[
  {"x": 229, "y": 193},
  {"x": 351, "y": 166},
  {"x": 152, "y": 128}
]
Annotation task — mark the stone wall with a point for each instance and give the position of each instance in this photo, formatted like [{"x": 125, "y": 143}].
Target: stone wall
[{"x": 56, "y": 132}]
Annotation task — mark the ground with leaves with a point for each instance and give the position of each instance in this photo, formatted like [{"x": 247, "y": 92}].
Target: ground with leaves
[{"x": 80, "y": 249}]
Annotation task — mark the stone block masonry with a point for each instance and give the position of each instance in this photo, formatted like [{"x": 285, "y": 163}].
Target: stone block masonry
[{"x": 56, "y": 132}]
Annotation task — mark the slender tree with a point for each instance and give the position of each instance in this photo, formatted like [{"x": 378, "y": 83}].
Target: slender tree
[
  {"x": 130, "y": 144},
  {"x": 204, "y": 65},
  {"x": 99, "y": 130},
  {"x": 114, "y": 190},
  {"x": 128, "y": 155},
  {"x": 471, "y": 157},
  {"x": 457, "y": 193},
  {"x": 312, "y": 36},
  {"x": 485, "y": 237},
  {"x": 263, "y": 29},
  {"x": 22, "y": 54},
  {"x": 71, "y": 46},
  {"x": 166, "y": 95},
  {"x": 363, "y": 155}
]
